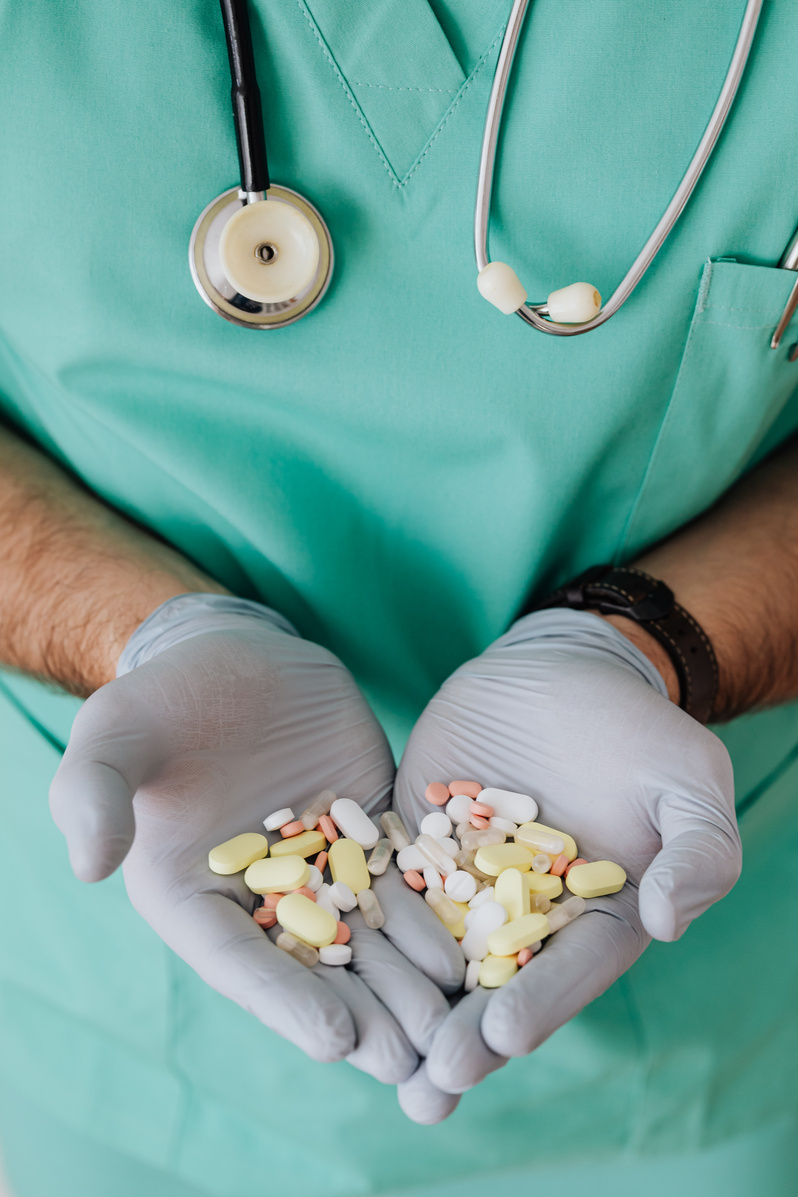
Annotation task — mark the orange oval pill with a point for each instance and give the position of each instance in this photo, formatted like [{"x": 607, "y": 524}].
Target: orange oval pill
[
  {"x": 559, "y": 865},
  {"x": 343, "y": 934},
  {"x": 437, "y": 793},
  {"x": 321, "y": 861},
  {"x": 524, "y": 956},
  {"x": 328, "y": 828},
  {"x": 303, "y": 889},
  {"x": 270, "y": 900},
  {"x": 479, "y": 822},
  {"x": 569, "y": 866},
  {"x": 415, "y": 880},
  {"x": 472, "y": 788},
  {"x": 264, "y": 916},
  {"x": 289, "y": 829},
  {"x": 482, "y": 808}
]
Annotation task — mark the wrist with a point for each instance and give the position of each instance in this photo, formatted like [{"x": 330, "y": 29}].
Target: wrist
[{"x": 649, "y": 647}]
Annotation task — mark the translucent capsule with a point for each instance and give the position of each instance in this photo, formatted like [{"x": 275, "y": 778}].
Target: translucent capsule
[
  {"x": 302, "y": 952},
  {"x": 472, "y": 840},
  {"x": 479, "y": 876},
  {"x": 472, "y": 975},
  {"x": 318, "y": 807},
  {"x": 541, "y": 863},
  {"x": 464, "y": 858},
  {"x": 370, "y": 909},
  {"x": 395, "y": 830},
  {"x": 463, "y": 828},
  {"x": 378, "y": 861},
  {"x": 444, "y": 907},
  {"x": 450, "y": 846},
  {"x": 563, "y": 913},
  {"x": 435, "y": 855}
]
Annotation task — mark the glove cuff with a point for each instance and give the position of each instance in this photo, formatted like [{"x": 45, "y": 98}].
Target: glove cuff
[{"x": 190, "y": 615}]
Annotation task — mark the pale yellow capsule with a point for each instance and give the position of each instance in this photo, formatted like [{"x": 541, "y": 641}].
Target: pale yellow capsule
[
  {"x": 277, "y": 876},
  {"x": 495, "y": 858},
  {"x": 543, "y": 883},
  {"x": 512, "y": 891},
  {"x": 348, "y": 864},
  {"x": 533, "y": 836},
  {"x": 495, "y": 971},
  {"x": 520, "y": 933},
  {"x": 238, "y": 853},
  {"x": 307, "y": 843},
  {"x": 594, "y": 880},
  {"x": 306, "y": 920}
]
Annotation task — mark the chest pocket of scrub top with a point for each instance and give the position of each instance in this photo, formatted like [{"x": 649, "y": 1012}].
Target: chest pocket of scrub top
[{"x": 730, "y": 388}]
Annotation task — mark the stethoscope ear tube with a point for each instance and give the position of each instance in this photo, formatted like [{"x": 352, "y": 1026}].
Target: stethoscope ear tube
[{"x": 245, "y": 94}]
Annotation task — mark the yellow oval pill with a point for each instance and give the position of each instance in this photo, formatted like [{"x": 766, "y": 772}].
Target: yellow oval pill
[
  {"x": 543, "y": 883},
  {"x": 527, "y": 835},
  {"x": 497, "y": 970},
  {"x": 520, "y": 933},
  {"x": 307, "y": 843},
  {"x": 348, "y": 864},
  {"x": 238, "y": 853},
  {"x": 512, "y": 891},
  {"x": 277, "y": 876},
  {"x": 303, "y": 918},
  {"x": 594, "y": 880},
  {"x": 497, "y": 857}
]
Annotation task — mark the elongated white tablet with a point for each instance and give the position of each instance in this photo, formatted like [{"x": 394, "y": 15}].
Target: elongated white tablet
[
  {"x": 353, "y": 821},
  {"x": 509, "y": 805}
]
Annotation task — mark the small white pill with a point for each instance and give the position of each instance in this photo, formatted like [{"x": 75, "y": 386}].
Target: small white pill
[
  {"x": 460, "y": 886},
  {"x": 449, "y": 845},
  {"x": 316, "y": 880},
  {"x": 432, "y": 878},
  {"x": 342, "y": 896},
  {"x": 484, "y": 920},
  {"x": 459, "y": 808},
  {"x": 353, "y": 821},
  {"x": 488, "y": 894},
  {"x": 509, "y": 805},
  {"x": 411, "y": 858},
  {"x": 505, "y": 825},
  {"x": 436, "y": 824},
  {"x": 324, "y": 900},
  {"x": 335, "y": 953},
  {"x": 471, "y": 975},
  {"x": 279, "y": 819}
]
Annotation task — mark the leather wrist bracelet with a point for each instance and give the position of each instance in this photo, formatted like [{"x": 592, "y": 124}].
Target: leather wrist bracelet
[{"x": 649, "y": 602}]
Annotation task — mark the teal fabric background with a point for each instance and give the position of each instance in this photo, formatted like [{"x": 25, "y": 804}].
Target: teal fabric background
[{"x": 393, "y": 474}]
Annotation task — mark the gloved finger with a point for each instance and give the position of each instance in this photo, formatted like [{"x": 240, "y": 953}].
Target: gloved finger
[
  {"x": 415, "y": 1002},
  {"x": 695, "y": 867},
  {"x": 92, "y": 805},
  {"x": 417, "y": 932},
  {"x": 422, "y": 1101},
  {"x": 229, "y": 951},
  {"x": 459, "y": 1057},
  {"x": 382, "y": 1048}
]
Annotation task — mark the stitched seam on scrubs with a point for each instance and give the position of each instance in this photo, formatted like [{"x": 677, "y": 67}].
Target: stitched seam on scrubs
[{"x": 387, "y": 87}]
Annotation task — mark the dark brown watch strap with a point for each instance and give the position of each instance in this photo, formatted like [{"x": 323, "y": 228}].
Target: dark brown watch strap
[{"x": 649, "y": 602}]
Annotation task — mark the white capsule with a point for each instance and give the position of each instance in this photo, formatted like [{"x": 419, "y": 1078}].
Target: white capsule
[
  {"x": 432, "y": 877},
  {"x": 458, "y": 808},
  {"x": 324, "y": 900},
  {"x": 411, "y": 858},
  {"x": 505, "y": 825},
  {"x": 472, "y": 841},
  {"x": 509, "y": 805},
  {"x": 463, "y": 829},
  {"x": 335, "y": 953},
  {"x": 435, "y": 855},
  {"x": 485, "y": 919},
  {"x": 575, "y": 304},
  {"x": 353, "y": 821},
  {"x": 342, "y": 896},
  {"x": 541, "y": 863},
  {"x": 460, "y": 886},
  {"x": 501, "y": 286},
  {"x": 279, "y": 819},
  {"x": 472, "y": 975},
  {"x": 436, "y": 824},
  {"x": 450, "y": 846},
  {"x": 315, "y": 880},
  {"x": 488, "y": 894}
]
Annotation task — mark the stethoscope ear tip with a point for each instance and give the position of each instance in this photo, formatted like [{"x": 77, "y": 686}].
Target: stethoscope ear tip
[{"x": 501, "y": 286}]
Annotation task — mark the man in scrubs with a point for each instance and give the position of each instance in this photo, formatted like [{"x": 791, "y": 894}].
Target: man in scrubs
[{"x": 387, "y": 481}]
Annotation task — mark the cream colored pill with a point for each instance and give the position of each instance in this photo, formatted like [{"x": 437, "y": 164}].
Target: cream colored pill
[
  {"x": 307, "y": 843},
  {"x": 306, "y": 920},
  {"x": 279, "y": 819},
  {"x": 512, "y": 892},
  {"x": 353, "y": 821},
  {"x": 343, "y": 896},
  {"x": 537, "y": 836},
  {"x": 472, "y": 975},
  {"x": 238, "y": 853},
  {"x": 495, "y": 971},
  {"x": 460, "y": 886},
  {"x": 595, "y": 879},
  {"x": 277, "y": 875},
  {"x": 497, "y": 857},
  {"x": 348, "y": 864},
  {"x": 520, "y": 933},
  {"x": 543, "y": 883},
  {"x": 335, "y": 954}
]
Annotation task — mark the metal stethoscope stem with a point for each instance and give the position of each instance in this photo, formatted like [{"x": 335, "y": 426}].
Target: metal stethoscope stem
[{"x": 533, "y": 314}]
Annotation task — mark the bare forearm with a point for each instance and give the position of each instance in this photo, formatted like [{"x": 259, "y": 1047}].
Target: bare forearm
[
  {"x": 76, "y": 578},
  {"x": 736, "y": 571}
]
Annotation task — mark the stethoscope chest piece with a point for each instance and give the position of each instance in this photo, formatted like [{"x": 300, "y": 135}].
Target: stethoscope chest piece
[{"x": 264, "y": 263}]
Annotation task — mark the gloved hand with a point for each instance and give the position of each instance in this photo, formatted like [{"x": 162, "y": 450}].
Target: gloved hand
[
  {"x": 565, "y": 708},
  {"x": 221, "y": 715}
]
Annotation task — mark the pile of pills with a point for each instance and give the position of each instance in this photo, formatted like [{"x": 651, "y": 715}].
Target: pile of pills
[
  {"x": 491, "y": 874},
  {"x": 337, "y": 832}
]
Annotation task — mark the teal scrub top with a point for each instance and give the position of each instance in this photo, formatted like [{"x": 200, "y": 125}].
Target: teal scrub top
[{"x": 394, "y": 473}]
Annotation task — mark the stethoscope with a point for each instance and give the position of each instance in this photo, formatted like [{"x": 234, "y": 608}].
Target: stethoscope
[{"x": 262, "y": 257}]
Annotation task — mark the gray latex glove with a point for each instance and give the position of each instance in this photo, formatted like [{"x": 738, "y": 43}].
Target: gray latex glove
[
  {"x": 565, "y": 708},
  {"x": 222, "y": 714}
]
